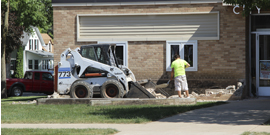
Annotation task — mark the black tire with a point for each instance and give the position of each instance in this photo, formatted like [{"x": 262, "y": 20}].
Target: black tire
[
  {"x": 112, "y": 89},
  {"x": 81, "y": 89},
  {"x": 17, "y": 91}
]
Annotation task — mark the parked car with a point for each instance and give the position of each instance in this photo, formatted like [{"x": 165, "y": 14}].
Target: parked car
[{"x": 33, "y": 81}]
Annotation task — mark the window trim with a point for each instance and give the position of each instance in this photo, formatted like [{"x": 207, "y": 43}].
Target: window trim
[
  {"x": 35, "y": 64},
  {"x": 30, "y": 44},
  {"x": 31, "y": 64},
  {"x": 181, "y": 44},
  {"x": 119, "y": 43}
]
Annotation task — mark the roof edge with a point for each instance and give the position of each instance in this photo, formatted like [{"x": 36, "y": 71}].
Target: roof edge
[{"x": 73, "y": 3}]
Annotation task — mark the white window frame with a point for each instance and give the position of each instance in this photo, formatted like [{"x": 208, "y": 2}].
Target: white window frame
[
  {"x": 31, "y": 64},
  {"x": 45, "y": 64},
  {"x": 30, "y": 44},
  {"x": 49, "y": 47},
  {"x": 36, "y": 44},
  {"x": 119, "y": 43},
  {"x": 34, "y": 64},
  {"x": 181, "y": 49}
]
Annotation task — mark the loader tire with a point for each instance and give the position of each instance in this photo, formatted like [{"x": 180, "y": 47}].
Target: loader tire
[
  {"x": 112, "y": 89},
  {"x": 81, "y": 89}
]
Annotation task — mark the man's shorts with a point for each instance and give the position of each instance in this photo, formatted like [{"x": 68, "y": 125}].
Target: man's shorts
[{"x": 180, "y": 83}]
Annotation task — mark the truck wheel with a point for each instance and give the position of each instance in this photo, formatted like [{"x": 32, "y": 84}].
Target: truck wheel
[
  {"x": 112, "y": 89},
  {"x": 81, "y": 89},
  {"x": 17, "y": 91}
]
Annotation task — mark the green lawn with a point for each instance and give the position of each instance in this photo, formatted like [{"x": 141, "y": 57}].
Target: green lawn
[
  {"x": 83, "y": 113},
  {"x": 31, "y": 131}
]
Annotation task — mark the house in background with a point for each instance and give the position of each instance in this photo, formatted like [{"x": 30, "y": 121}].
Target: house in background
[{"x": 37, "y": 52}]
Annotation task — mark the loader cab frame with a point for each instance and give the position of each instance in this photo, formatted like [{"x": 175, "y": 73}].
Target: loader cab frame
[{"x": 103, "y": 53}]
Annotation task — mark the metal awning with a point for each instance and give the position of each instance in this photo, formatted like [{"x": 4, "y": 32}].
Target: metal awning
[{"x": 41, "y": 53}]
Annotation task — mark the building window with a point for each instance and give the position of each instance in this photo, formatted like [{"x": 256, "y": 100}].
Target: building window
[
  {"x": 121, "y": 52},
  {"x": 36, "y": 44},
  {"x": 50, "y": 49},
  {"x": 13, "y": 65},
  {"x": 30, "y": 44},
  {"x": 36, "y": 64},
  {"x": 30, "y": 64},
  {"x": 187, "y": 51},
  {"x": 45, "y": 64}
]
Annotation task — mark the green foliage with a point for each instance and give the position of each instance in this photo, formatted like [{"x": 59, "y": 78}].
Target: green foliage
[
  {"x": 37, "y": 13},
  {"x": 13, "y": 35},
  {"x": 19, "y": 66},
  {"x": 250, "y": 5}
]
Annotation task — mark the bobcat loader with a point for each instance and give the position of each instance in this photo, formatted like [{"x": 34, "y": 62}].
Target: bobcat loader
[{"x": 94, "y": 69}]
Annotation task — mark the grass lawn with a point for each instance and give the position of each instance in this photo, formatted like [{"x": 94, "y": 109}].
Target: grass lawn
[
  {"x": 31, "y": 131},
  {"x": 255, "y": 133},
  {"x": 83, "y": 113}
]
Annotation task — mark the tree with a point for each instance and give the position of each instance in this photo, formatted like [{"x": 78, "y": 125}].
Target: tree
[
  {"x": 13, "y": 37},
  {"x": 250, "y": 5},
  {"x": 19, "y": 66},
  {"x": 3, "y": 53},
  {"x": 29, "y": 13}
]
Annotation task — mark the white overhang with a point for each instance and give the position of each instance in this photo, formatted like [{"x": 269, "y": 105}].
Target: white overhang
[{"x": 41, "y": 53}]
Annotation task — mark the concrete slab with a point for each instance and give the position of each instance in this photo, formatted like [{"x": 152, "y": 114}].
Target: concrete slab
[{"x": 118, "y": 101}]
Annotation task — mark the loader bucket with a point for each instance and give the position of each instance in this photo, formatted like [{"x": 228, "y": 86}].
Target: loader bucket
[{"x": 137, "y": 91}]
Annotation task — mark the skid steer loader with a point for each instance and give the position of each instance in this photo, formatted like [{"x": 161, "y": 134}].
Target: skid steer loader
[{"x": 94, "y": 69}]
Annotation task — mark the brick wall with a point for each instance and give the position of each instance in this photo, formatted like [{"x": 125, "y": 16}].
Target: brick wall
[{"x": 220, "y": 62}]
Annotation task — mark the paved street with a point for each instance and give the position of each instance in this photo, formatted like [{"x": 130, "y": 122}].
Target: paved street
[{"x": 233, "y": 118}]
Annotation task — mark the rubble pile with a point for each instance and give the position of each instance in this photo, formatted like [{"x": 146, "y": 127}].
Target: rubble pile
[{"x": 27, "y": 102}]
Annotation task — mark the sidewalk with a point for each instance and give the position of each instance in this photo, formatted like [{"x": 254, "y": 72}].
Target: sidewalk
[{"x": 233, "y": 118}]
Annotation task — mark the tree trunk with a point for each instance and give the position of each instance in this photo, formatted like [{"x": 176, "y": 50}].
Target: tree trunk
[{"x": 3, "y": 53}]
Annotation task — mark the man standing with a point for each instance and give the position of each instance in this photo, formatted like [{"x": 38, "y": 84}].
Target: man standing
[{"x": 178, "y": 72}]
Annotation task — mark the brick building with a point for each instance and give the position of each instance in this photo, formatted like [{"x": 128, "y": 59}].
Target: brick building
[{"x": 206, "y": 33}]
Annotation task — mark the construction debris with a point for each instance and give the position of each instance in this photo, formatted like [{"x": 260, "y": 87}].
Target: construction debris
[{"x": 27, "y": 102}]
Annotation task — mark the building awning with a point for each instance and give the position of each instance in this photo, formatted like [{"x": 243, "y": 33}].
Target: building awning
[{"x": 41, "y": 53}]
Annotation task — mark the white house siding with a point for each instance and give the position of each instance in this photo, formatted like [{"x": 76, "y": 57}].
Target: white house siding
[{"x": 33, "y": 37}]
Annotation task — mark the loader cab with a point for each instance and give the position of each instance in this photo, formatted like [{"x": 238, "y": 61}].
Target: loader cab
[{"x": 103, "y": 53}]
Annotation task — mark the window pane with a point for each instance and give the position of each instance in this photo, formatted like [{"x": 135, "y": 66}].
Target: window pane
[
  {"x": 36, "y": 64},
  {"x": 100, "y": 55},
  {"x": 174, "y": 50},
  {"x": 120, "y": 54},
  {"x": 28, "y": 75},
  {"x": 47, "y": 76},
  {"x": 30, "y": 44},
  {"x": 30, "y": 64},
  {"x": 13, "y": 65},
  {"x": 89, "y": 53},
  {"x": 35, "y": 44},
  {"x": 188, "y": 54},
  {"x": 37, "y": 76}
]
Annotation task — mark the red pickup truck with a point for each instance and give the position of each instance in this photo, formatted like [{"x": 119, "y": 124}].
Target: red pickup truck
[{"x": 33, "y": 81}]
